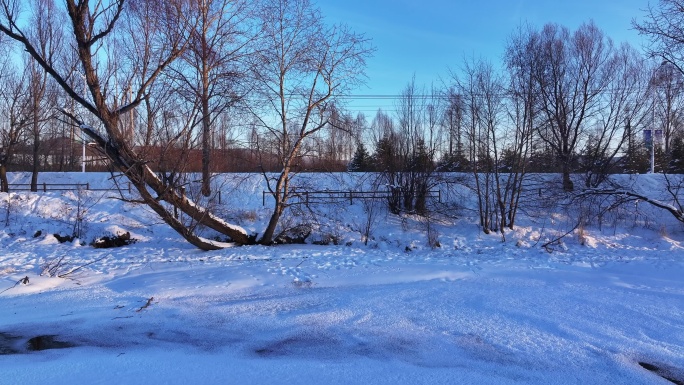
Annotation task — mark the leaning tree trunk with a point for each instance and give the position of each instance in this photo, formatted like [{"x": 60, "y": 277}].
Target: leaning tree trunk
[
  {"x": 267, "y": 238},
  {"x": 144, "y": 179},
  {"x": 87, "y": 40},
  {"x": 280, "y": 194}
]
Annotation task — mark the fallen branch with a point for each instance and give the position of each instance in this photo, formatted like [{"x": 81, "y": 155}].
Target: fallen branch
[
  {"x": 24, "y": 280},
  {"x": 676, "y": 212},
  {"x": 547, "y": 245},
  {"x": 145, "y": 306}
]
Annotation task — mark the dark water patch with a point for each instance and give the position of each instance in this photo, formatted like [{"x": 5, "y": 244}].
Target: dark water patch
[
  {"x": 672, "y": 374},
  {"x": 12, "y": 344},
  {"x": 8, "y": 344},
  {"x": 318, "y": 346},
  {"x": 47, "y": 342}
]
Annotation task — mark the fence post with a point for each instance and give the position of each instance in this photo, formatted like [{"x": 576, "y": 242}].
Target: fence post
[
  {"x": 439, "y": 196},
  {"x": 44, "y": 187},
  {"x": 307, "y": 197},
  {"x": 88, "y": 186},
  {"x": 263, "y": 198},
  {"x": 129, "y": 187},
  {"x": 219, "y": 196},
  {"x": 351, "y": 197}
]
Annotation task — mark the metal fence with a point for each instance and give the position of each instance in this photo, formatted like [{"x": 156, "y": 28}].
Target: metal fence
[
  {"x": 45, "y": 187},
  {"x": 329, "y": 196},
  {"x": 305, "y": 197}
]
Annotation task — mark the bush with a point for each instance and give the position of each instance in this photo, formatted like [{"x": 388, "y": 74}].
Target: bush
[{"x": 117, "y": 240}]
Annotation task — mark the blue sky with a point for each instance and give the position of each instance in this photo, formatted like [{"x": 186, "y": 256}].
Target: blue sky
[{"x": 427, "y": 37}]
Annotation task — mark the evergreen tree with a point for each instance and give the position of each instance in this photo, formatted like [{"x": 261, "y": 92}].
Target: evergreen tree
[
  {"x": 637, "y": 158},
  {"x": 361, "y": 162},
  {"x": 421, "y": 160},
  {"x": 421, "y": 168},
  {"x": 454, "y": 162},
  {"x": 386, "y": 158},
  {"x": 388, "y": 162},
  {"x": 676, "y": 158}
]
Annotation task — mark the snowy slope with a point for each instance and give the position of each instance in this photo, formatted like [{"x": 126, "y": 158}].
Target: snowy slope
[{"x": 475, "y": 310}]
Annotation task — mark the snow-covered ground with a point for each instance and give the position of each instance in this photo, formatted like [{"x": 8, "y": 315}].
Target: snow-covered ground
[{"x": 475, "y": 310}]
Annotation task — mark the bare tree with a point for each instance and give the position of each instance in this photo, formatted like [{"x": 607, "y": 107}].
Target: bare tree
[
  {"x": 405, "y": 148},
  {"x": 417, "y": 132},
  {"x": 161, "y": 37},
  {"x": 433, "y": 118},
  {"x": 211, "y": 67},
  {"x": 483, "y": 98},
  {"x": 663, "y": 27},
  {"x": 301, "y": 67},
  {"x": 622, "y": 102},
  {"x": 454, "y": 154},
  {"x": 46, "y": 32},
  {"x": 43, "y": 100},
  {"x": 667, "y": 88},
  {"x": 335, "y": 142},
  {"x": 670, "y": 199},
  {"x": 15, "y": 108},
  {"x": 410, "y": 134},
  {"x": 523, "y": 111},
  {"x": 387, "y": 159},
  {"x": 571, "y": 75}
]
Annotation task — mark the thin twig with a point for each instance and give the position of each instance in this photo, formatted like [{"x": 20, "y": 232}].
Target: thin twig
[
  {"x": 24, "y": 280},
  {"x": 546, "y": 245},
  {"x": 80, "y": 267}
]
